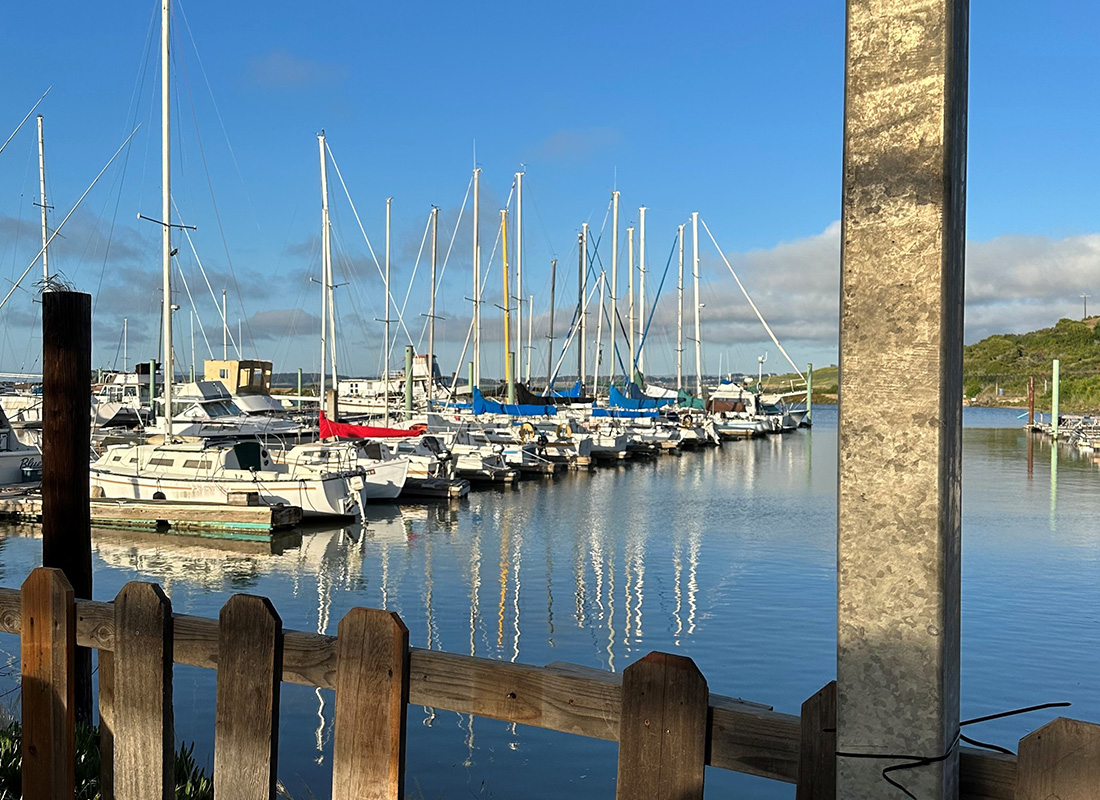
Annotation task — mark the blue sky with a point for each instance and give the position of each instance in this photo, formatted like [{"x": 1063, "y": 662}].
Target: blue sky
[{"x": 730, "y": 109}]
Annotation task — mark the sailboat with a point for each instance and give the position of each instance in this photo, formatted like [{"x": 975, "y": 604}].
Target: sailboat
[{"x": 201, "y": 469}]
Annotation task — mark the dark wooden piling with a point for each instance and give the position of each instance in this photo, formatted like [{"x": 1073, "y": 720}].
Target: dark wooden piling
[
  {"x": 66, "y": 429},
  {"x": 1030, "y": 401}
]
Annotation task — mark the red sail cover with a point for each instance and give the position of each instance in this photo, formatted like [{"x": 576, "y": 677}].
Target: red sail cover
[{"x": 341, "y": 430}]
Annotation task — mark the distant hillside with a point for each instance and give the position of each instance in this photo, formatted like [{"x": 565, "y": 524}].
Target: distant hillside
[{"x": 997, "y": 368}]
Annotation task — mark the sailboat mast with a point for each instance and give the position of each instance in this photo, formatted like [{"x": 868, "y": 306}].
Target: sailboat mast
[
  {"x": 641, "y": 291},
  {"x": 599, "y": 334},
  {"x": 225, "y": 331},
  {"x": 530, "y": 335},
  {"x": 695, "y": 279},
  {"x": 431, "y": 307},
  {"x": 125, "y": 344},
  {"x": 42, "y": 202},
  {"x": 630, "y": 292},
  {"x": 477, "y": 279},
  {"x": 581, "y": 343},
  {"x": 680, "y": 315},
  {"x": 166, "y": 214},
  {"x": 519, "y": 263},
  {"x": 386, "y": 340},
  {"x": 509, "y": 374},
  {"x": 550, "y": 346},
  {"x": 614, "y": 278},
  {"x": 324, "y": 272}
]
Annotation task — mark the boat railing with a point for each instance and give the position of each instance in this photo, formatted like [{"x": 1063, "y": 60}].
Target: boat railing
[{"x": 659, "y": 709}]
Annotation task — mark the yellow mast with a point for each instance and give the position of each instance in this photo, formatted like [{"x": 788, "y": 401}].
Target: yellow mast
[{"x": 509, "y": 376}]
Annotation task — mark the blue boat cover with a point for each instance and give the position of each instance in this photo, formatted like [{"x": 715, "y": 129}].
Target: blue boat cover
[
  {"x": 619, "y": 400},
  {"x": 622, "y": 413},
  {"x": 483, "y": 406},
  {"x": 576, "y": 391}
]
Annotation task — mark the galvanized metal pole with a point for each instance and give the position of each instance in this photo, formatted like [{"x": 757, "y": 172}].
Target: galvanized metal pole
[
  {"x": 900, "y": 427},
  {"x": 1054, "y": 382}
]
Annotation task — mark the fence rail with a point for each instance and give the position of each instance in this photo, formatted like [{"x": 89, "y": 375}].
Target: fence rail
[{"x": 659, "y": 709}]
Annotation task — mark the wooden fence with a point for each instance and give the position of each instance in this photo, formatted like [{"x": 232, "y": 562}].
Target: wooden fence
[{"x": 659, "y": 709}]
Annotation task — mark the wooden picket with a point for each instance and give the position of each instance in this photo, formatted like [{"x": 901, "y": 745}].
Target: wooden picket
[{"x": 660, "y": 711}]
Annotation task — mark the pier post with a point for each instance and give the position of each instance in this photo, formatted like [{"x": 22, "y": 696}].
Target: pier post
[
  {"x": 809, "y": 391},
  {"x": 408, "y": 381},
  {"x": 1030, "y": 401},
  {"x": 66, "y": 430},
  {"x": 1054, "y": 379},
  {"x": 900, "y": 426}
]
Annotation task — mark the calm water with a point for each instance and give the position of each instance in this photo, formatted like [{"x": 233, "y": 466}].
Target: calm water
[{"x": 727, "y": 556}]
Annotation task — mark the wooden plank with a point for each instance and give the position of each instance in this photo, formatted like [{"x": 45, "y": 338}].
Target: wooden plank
[
  {"x": 106, "y": 725},
  {"x": 817, "y": 756},
  {"x": 986, "y": 776},
  {"x": 246, "y": 740},
  {"x": 1060, "y": 760},
  {"x": 143, "y": 735},
  {"x": 48, "y": 648},
  {"x": 663, "y": 730},
  {"x": 753, "y": 741},
  {"x": 372, "y": 691}
]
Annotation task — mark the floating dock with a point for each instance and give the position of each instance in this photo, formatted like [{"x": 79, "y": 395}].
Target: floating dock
[{"x": 207, "y": 520}]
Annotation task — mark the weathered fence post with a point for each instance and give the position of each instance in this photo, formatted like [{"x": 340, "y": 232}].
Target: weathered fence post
[
  {"x": 663, "y": 730},
  {"x": 899, "y": 441},
  {"x": 47, "y": 648},
  {"x": 372, "y": 691},
  {"x": 1060, "y": 760},
  {"x": 817, "y": 753},
  {"x": 106, "y": 725},
  {"x": 144, "y": 744},
  {"x": 66, "y": 429},
  {"x": 250, "y": 669}
]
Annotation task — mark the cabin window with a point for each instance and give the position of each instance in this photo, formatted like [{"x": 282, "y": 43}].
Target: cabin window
[
  {"x": 223, "y": 373},
  {"x": 192, "y": 463},
  {"x": 161, "y": 462},
  {"x": 117, "y": 457},
  {"x": 133, "y": 459},
  {"x": 248, "y": 455}
]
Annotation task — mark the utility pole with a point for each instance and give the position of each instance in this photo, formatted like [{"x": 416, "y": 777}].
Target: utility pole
[{"x": 1084, "y": 297}]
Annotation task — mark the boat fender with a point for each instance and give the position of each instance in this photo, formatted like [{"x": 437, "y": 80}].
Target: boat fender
[
  {"x": 526, "y": 431},
  {"x": 564, "y": 431},
  {"x": 685, "y": 421}
]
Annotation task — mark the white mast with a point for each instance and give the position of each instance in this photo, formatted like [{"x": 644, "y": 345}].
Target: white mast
[
  {"x": 42, "y": 197},
  {"x": 225, "y": 331},
  {"x": 599, "y": 333},
  {"x": 477, "y": 280},
  {"x": 530, "y": 335},
  {"x": 641, "y": 291},
  {"x": 614, "y": 278},
  {"x": 330, "y": 281},
  {"x": 125, "y": 344},
  {"x": 166, "y": 216},
  {"x": 431, "y": 306},
  {"x": 695, "y": 278},
  {"x": 584, "y": 311},
  {"x": 680, "y": 316},
  {"x": 192, "y": 339},
  {"x": 386, "y": 342},
  {"x": 630, "y": 292},
  {"x": 519, "y": 263},
  {"x": 324, "y": 270}
]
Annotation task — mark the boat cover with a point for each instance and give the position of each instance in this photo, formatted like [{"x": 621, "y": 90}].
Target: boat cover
[
  {"x": 619, "y": 400},
  {"x": 342, "y": 430},
  {"x": 525, "y": 396},
  {"x": 685, "y": 400},
  {"x": 483, "y": 406},
  {"x": 623, "y": 413}
]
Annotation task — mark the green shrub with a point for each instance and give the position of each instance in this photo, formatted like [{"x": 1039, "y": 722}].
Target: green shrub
[{"x": 192, "y": 782}]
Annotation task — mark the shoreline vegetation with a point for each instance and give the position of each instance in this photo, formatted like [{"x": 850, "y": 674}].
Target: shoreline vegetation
[{"x": 996, "y": 370}]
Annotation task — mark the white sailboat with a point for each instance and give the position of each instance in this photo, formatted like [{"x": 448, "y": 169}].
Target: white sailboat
[{"x": 199, "y": 469}]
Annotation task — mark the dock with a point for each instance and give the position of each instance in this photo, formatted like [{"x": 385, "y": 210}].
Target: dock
[{"x": 207, "y": 520}]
